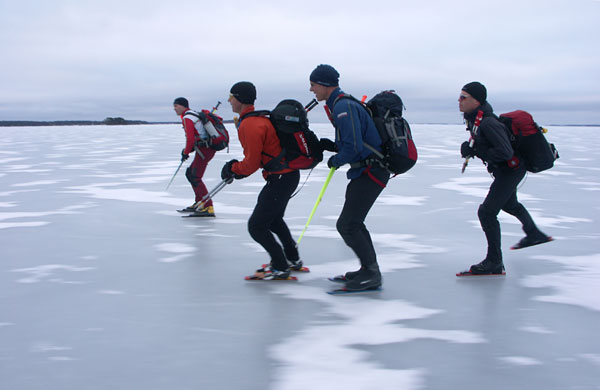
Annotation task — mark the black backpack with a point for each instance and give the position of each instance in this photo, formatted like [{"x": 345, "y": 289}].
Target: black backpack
[
  {"x": 528, "y": 141},
  {"x": 399, "y": 152},
  {"x": 300, "y": 147}
]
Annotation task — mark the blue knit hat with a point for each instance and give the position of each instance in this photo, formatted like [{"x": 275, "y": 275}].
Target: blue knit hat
[{"x": 325, "y": 75}]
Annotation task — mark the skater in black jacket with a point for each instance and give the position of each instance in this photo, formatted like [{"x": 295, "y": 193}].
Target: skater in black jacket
[{"x": 491, "y": 143}]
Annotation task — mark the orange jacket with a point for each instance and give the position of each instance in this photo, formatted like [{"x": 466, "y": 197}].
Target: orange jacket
[{"x": 258, "y": 138}]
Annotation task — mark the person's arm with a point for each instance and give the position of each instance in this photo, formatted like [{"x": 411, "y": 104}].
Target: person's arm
[
  {"x": 350, "y": 142},
  {"x": 190, "y": 135},
  {"x": 500, "y": 148},
  {"x": 252, "y": 140}
]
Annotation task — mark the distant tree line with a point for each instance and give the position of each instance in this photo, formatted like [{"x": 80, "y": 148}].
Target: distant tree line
[{"x": 107, "y": 121}]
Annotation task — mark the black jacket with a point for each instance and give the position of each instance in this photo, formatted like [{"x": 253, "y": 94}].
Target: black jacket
[{"x": 492, "y": 144}]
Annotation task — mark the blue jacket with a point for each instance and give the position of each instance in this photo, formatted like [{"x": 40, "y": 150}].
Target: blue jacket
[{"x": 353, "y": 126}]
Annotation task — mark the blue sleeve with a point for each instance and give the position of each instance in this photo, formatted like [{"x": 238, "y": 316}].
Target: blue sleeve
[{"x": 348, "y": 138}]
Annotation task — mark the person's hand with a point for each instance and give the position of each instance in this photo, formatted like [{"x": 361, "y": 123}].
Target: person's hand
[
  {"x": 327, "y": 144},
  {"x": 184, "y": 156},
  {"x": 226, "y": 172},
  {"x": 330, "y": 162},
  {"x": 466, "y": 151}
]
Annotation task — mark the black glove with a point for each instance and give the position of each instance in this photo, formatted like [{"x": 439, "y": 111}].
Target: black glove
[
  {"x": 466, "y": 150},
  {"x": 327, "y": 144},
  {"x": 184, "y": 156},
  {"x": 330, "y": 162},
  {"x": 226, "y": 172}
]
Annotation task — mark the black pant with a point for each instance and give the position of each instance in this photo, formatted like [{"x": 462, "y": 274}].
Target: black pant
[
  {"x": 361, "y": 194},
  {"x": 267, "y": 218},
  {"x": 503, "y": 196}
]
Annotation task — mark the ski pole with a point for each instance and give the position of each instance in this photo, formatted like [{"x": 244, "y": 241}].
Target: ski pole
[
  {"x": 312, "y": 104},
  {"x": 215, "y": 108},
  {"x": 178, "y": 168},
  {"x": 471, "y": 143},
  {"x": 211, "y": 193},
  {"x": 476, "y": 124},
  {"x": 312, "y": 213}
]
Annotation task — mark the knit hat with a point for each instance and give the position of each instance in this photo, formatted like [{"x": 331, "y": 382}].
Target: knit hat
[
  {"x": 325, "y": 75},
  {"x": 182, "y": 102},
  {"x": 244, "y": 92},
  {"x": 477, "y": 90}
]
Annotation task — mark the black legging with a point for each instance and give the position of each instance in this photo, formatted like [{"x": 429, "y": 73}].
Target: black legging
[
  {"x": 361, "y": 194},
  {"x": 267, "y": 218},
  {"x": 503, "y": 196}
]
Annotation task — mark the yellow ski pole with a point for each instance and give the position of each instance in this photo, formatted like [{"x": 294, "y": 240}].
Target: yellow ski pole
[{"x": 312, "y": 213}]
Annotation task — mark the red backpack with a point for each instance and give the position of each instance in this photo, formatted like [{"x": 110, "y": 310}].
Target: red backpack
[
  {"x": 213, "y": 124},
  {"x": 528, "y": 141}
]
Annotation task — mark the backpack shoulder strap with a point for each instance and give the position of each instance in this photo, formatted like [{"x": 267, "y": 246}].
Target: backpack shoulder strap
[
  {"x": 264, "y": 113},
  {"x": 196, "y": 115}
]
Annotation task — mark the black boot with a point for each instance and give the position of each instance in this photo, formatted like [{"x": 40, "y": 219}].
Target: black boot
[
  {"x": 345, "y": 277},
  {"x": 531, "y": 240},
  {"x": 487, "y": 267},
  {"x": 365, "y": 279}
]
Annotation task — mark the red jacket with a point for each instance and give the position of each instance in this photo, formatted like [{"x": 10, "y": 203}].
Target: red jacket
[
  {"x": 190, "y": 133},
  {"x": 257, "y": 135}
]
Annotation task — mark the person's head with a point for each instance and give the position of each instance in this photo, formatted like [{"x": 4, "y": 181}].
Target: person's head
[
  {"x": 180, "y": 105},
  {"x": 324, "y": 79},
  {"x": 241, "y": 94},
  {"x": 472, "y": 95}
]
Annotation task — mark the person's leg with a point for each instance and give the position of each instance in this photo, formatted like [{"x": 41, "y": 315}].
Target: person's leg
[
  {"x": 502, "y": 190},
  {"x": 361, "y": 194},
  {"x": 195, "y": 173},
  {"x": 270, "y": 206},
  {"x": 288, "y": 183}
]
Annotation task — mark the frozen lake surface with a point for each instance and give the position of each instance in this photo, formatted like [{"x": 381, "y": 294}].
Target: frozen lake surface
[{"x": 104, "y": 286}]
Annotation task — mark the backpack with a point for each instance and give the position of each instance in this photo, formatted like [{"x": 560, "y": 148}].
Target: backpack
[
  {"x": 300, "y": 147},
  {"x": 399, "y": 152},
  {"x": 528, "y": 141},
  {"x": 213, "y": 124}
]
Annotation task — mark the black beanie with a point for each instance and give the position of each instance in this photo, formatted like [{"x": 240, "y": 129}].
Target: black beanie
[
  {"x": 244, "y": 92},
  {"x": 477, "y": 90},
  {"x": 325, "y": 75},
  {"x": 182, "y": 102}
]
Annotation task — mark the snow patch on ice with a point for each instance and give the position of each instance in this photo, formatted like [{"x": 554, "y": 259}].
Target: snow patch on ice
[
  {"x": 536, "y": 329},
  {"x": 182, "y": 251},
  {"x": 592, "y": 358},
  {"x": 576, "y": 285},
  {"x": 45, "y": 272},
  {"x": 37, "y": 183},
  {"x": 110, "y": 292},
  {"x": 330, "y": 357},
  {"x": 399, "y": 200},
  {"x": 4, "y": 225},
  {"x": 520, "y": 360}
]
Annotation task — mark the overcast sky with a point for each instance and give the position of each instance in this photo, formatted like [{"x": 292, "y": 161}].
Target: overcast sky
[{"x": 85, "y": 59}]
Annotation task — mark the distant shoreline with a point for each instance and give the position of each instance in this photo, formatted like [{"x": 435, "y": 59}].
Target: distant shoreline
[
  {"x": 84, "y": 123},
  {"x": 136, "y": 122}
]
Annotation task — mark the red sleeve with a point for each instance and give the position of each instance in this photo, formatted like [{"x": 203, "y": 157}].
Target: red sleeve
[
  {"x": 252, "y": 138},
  {"x": 190, "y": 135}
]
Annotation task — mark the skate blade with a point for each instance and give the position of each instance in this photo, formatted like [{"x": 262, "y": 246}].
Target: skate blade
[
  {"x": 302, "y": 269},
  {"x": 253, "y": 277},
  {"x": 470, "y": 274},
  {"x": 198, "y": 216},
  {"x": 344, "y": 291},
  {"x": 515, "y": 247}
]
